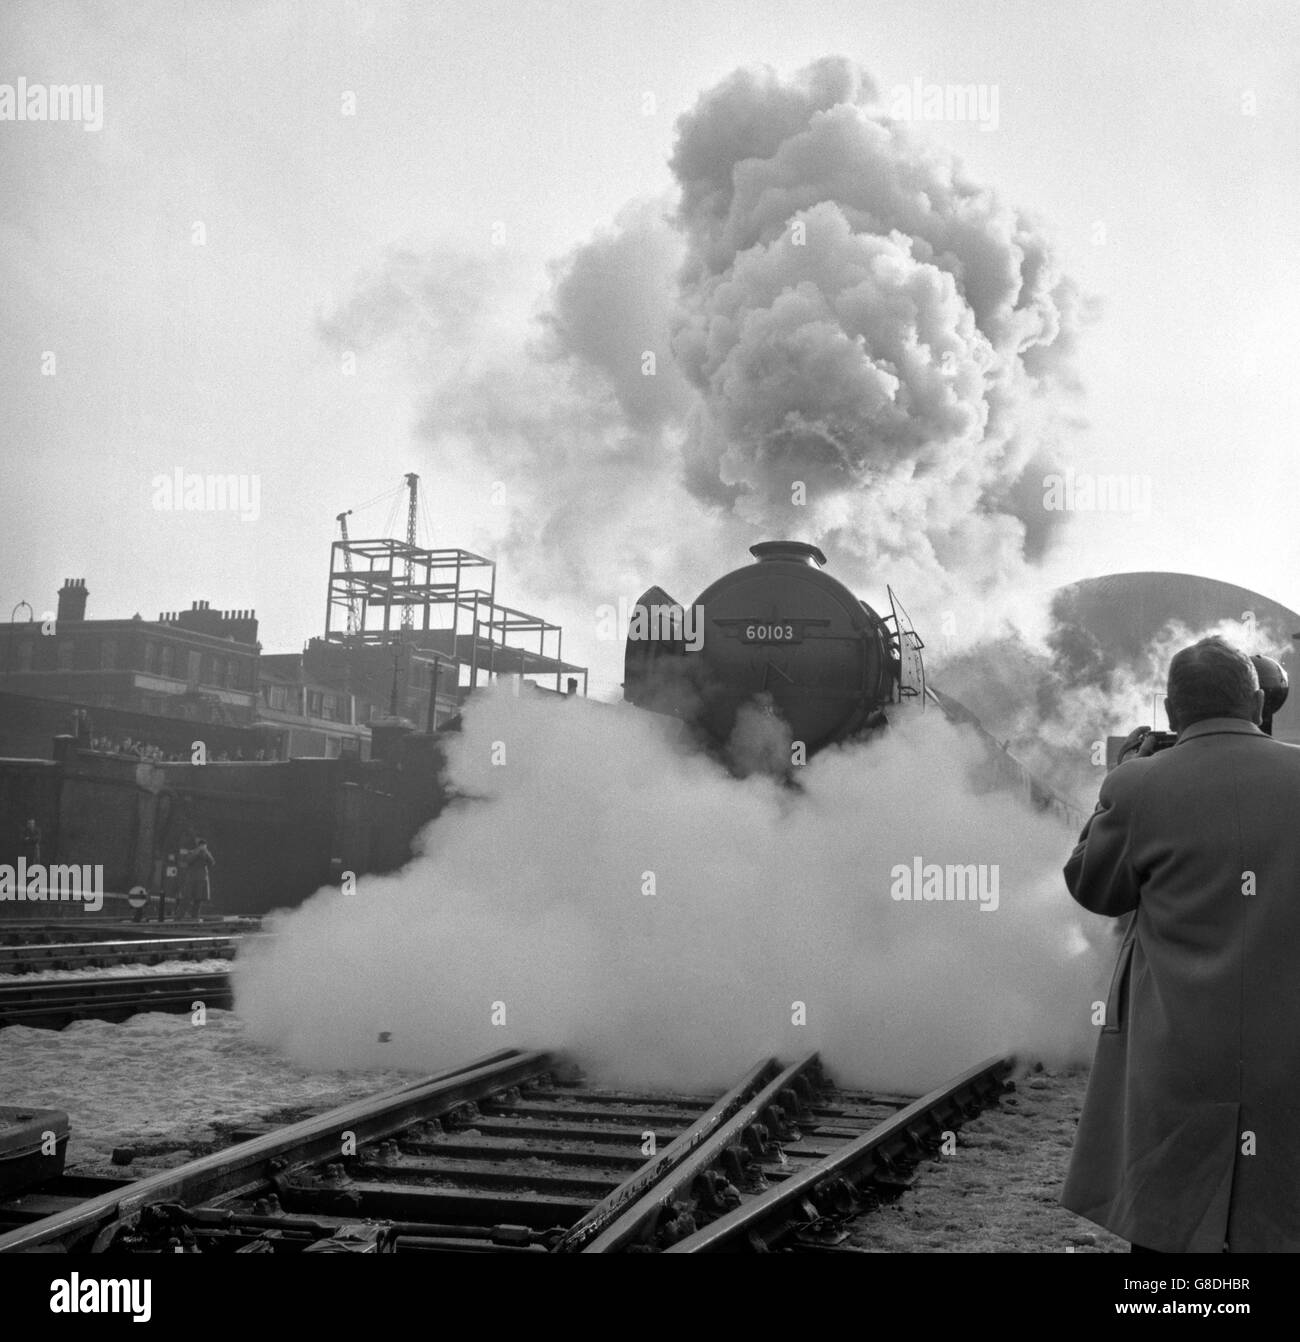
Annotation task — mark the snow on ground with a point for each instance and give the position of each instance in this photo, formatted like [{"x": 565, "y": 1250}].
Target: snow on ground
[
  {"x": 1000, "y": 1192},
  {"x": 213, "y": 965},
  {"x": 158, "y": 1083}
]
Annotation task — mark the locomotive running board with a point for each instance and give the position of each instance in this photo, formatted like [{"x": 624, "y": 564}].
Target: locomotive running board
[{"x": 911, "y": 667}]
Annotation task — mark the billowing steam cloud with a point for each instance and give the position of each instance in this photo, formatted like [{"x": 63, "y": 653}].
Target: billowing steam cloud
[
  {"x": 831, "y": 332},
  {"x": 612, "y": 895},
  {"x": 860, "y": 316}
]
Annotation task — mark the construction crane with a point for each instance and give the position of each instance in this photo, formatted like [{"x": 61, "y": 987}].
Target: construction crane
[
  {"x": 354, "y": 618},
  {"x": 413, "y": 484}
]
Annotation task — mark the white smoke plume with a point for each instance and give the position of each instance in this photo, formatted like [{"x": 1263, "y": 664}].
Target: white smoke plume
[
  {"x": 831, "y": 332},
  {"x": 860, "y": 316},
  {"x": 610, "y": 894}
]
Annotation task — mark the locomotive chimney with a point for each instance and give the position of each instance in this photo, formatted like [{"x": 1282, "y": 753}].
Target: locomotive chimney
[{"x": 790, "y": 552}]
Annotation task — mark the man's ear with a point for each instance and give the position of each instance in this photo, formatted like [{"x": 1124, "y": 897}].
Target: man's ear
[
  {"x": 1174, "y": 725},
  {"x": 1257, "y": 715}
]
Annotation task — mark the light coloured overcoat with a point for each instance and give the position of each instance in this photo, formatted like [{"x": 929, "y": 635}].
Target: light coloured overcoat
[{"x": 1190, "y": 1135}]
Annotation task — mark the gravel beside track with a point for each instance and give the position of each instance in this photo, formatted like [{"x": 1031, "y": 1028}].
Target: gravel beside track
[{"x": 1000, "y": 1193}]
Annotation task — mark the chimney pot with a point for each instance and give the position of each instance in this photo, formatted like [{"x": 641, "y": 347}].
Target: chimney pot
[{"x": 72, "y": 600}]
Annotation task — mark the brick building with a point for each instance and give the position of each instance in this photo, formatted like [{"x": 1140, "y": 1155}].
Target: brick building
[{"x": 199, "y": 664}]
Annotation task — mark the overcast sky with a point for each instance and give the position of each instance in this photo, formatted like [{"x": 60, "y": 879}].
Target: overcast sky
[{"x": 1156, "y": 144}]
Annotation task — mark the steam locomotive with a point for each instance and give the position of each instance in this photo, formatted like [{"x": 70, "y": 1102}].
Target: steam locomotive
[{"x": 781, "y": 633}]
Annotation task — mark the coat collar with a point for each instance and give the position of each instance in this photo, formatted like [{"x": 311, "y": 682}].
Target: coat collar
[{"x": 1216, "y": 726}]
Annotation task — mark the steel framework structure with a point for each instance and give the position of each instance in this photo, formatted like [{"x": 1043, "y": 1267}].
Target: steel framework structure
[{"x": 386, "y": 591}]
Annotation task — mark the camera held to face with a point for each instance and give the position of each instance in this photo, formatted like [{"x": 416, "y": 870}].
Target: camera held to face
[
  {"x": 1142, "y": 741},
  {"x": 1274, "y": 683}
]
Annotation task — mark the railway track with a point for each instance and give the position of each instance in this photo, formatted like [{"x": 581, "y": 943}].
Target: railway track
[
  {"x": 21, "y": 931},
  {"x": 36, "y": 956},
  {"x": 513, "y": 1154},
  {"x": 53, "y": 1003}
]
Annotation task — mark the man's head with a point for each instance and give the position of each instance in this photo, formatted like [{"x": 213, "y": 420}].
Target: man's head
[{"x": 1211, "y": 679}]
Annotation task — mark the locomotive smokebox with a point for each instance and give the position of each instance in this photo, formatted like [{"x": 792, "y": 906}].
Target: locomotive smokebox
[{"x": 779, "y": 633}]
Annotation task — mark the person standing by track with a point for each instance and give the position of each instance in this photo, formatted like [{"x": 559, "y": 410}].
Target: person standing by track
[
  {"x": 196, "y": 890},
  {"x": 1189, "y": 1139},
  {"x": 29, "y": 843}
]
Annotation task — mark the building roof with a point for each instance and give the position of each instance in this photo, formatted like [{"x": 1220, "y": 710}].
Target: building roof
[{"x": 1127, "y": 612}]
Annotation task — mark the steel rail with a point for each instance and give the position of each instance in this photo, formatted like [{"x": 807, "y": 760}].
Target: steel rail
[
  {"x": 39, "y": 954},
  {"x": 74, "y": 999},
  {"x": 787, "y": 1205},
  {"x": 639, "y": 1220},
  {"x": 253, "y": 1164},
  {"x": 82, "y": 929},
  {"x": 637, "y": 1185}
]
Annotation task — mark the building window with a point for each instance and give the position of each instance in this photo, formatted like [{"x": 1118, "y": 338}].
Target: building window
[
  {"x": 107, "y": 654},
  {"x": 67, "y": 650},
  {"x": 314, "y": 705},
  {"x": 278, "y": 697},
  {"x": 167, "y": 661}
]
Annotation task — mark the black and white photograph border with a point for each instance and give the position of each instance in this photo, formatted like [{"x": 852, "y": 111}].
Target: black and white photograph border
[{"x": 649, "y": 628}]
